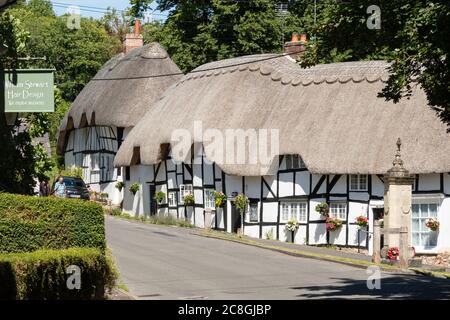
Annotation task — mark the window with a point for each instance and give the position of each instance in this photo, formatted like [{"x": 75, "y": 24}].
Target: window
[
  {"x": 358, "y": 182},
  {"x": 209, "y": 199},
  {"x": 338, "y": 210},
  {"x": 294, "y": 161},
  {"x": 421, "y": 235},
  {"x": 127, "y": 174},
  {"x": 253, "y": 212},
  {"x": 294, "y": 210},
  {"x": 185, "y": 189},
  {"x": 172, "y": 199}
]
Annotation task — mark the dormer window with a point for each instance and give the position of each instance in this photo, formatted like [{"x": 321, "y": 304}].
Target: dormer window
[
  {"x": 294, "y": 161},
  {"x": 358, "y": 182}
]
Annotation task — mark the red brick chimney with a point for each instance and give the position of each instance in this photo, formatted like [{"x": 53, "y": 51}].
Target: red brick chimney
[
  {"x": 295, "y": 48},
  {"x": 133, "y": 40}
]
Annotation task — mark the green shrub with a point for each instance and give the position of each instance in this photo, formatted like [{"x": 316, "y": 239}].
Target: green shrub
[
  {"x": 43, "y": 274},
  {"x": 31, "y": 223}
]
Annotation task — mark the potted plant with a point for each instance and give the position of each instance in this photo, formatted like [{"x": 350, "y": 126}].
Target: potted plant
[
  {"x": 323, "y": 209},
  {"x": 241, "y": 202},
  {"x": 134, "y": 188},
  {"x": 333, "y": 224},
  {"x": 120, "y": 185},
  {"x": 362, "y": 222},
  {"x": 220, "y": 199},
  {"x": 432, "y": 224},
  {"x": 160, "y": 196},
  {"x": 292, "y": 226},
  {"x": 189, "y": 200},
  {"x": 393, "y": 253}
]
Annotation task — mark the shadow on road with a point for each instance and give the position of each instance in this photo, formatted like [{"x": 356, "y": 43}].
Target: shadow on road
[{"x": 393, "y": 287}]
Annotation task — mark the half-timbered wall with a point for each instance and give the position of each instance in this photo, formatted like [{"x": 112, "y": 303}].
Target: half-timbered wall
[
  {"x": 93, "y": 149},
  {"x": 270, "y": 194}
]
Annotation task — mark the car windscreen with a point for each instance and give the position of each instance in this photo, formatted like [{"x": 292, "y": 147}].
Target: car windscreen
[{"x": 69, "y": 182}]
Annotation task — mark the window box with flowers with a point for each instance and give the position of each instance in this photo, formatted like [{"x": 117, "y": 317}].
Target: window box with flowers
[{"x": 333, "y": 224}]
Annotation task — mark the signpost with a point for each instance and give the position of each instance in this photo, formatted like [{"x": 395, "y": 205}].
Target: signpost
[{"x": 28, "y": 90}]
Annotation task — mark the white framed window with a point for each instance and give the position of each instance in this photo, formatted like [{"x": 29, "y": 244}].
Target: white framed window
[
  {"x": 185, "y": 189},
  {"x": 422, "y": 236},
  {"x": 294, "y": 210},
  {"x": 338, "y": 210},
  {"x": 209, "y": 199},
  {"x": 358, "y": 182},
  {"x": 294, "y": 161},
  {"x": 172, "y": 198},
  {"x": 253, "y": 212}
]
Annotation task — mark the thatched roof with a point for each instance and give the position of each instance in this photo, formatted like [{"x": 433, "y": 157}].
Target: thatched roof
[
  {"x": 123, "y": 100},
  {"x": 329, "y": 114}
]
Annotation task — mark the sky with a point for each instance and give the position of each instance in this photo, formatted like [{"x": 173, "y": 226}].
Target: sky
[{"x": 96, "y": 8}]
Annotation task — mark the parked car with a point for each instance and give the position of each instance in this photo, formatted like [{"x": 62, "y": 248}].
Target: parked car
[{"x": 76, "y": 188}]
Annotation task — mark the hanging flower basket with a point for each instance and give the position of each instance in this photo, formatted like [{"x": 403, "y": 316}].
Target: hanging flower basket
[
  {"x": 292, "y": 225},
  {"x": 333, "y": 224},
  {"x": 432, "y": 224},
  {"x": 120, "y": 185},
  {"x": 220, "y": 199},
  {"x": 393, "y": 253},
  {"x": 323, "y": 209},
  {"x": 241, "y": 201},
  {"x": 189, "y": 200},
  {"x": 362, "y": 221},
  {"x": 134, "y": 188},
  {"x": 160, "y": 196}
]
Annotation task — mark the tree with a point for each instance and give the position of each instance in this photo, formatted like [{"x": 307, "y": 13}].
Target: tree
[
  {"x": 413, "y": 36},
  {"x": 41, "y": 7},
  {"x": 21, "y": 161},
  {"x": 197, "y": 32},
  {"x": 423, "y": 56},
  {"x": 138, "y": 7}
]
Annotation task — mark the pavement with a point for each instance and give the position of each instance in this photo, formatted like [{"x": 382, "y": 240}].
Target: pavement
[{"x": 163, "y": 262}]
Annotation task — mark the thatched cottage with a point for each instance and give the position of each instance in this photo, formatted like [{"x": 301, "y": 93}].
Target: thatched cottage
[
  {"x": 109, "y": 106},
  {"x": 336, "y": 140}
]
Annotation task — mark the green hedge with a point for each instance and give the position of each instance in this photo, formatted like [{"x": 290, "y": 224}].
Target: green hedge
[
  {"x": 32, "y": 223},
  {"x": 41, "y": 275}
]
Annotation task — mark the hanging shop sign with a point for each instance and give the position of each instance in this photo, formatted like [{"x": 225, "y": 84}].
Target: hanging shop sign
[{"x": 28, "y": 90}]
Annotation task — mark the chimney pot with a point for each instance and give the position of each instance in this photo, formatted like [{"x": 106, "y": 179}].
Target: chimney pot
[
  {"x": 303, "y": 37},
  {"x": 295, "y": 48},
  {"x": 137, "y": 27}
]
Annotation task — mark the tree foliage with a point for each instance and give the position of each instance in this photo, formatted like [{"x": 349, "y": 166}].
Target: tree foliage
[
  {"x": 201, "y": 31},
  {"x": 413, "y": 36},
  {"x": 32, "y": 29}
]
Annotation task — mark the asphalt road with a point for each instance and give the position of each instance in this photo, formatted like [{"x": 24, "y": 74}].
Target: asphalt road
[{"x": 158, "y": 262}]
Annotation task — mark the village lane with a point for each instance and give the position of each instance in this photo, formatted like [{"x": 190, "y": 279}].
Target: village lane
[{"x": 159, "y": 262}]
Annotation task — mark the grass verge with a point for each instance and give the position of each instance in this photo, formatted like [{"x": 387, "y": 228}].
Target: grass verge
[{"x": 158, "y": 220}]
